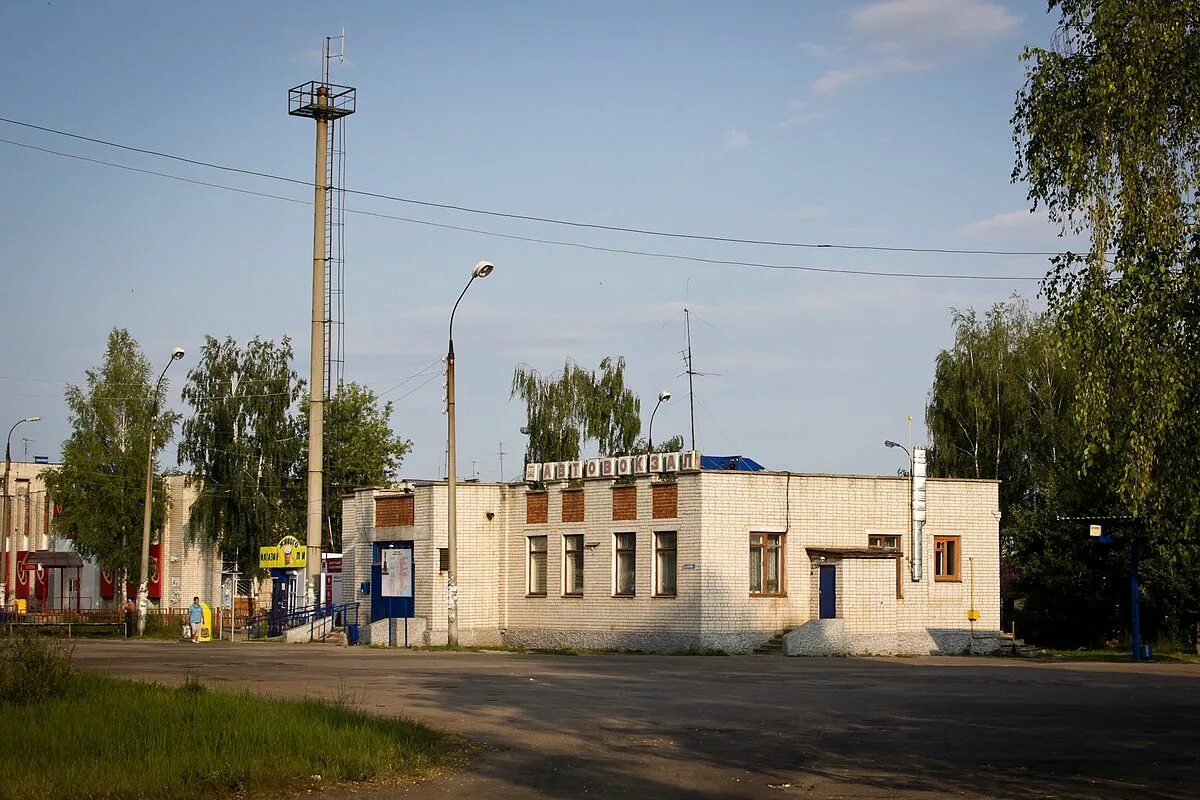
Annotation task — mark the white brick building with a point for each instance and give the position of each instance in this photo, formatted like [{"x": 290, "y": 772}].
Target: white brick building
[{"x": 706, "y": 560}]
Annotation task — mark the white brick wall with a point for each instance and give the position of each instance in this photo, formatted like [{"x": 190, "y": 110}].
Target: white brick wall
[{"x": 713, "y": 607}]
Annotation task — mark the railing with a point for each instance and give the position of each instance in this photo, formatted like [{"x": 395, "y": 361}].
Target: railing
[
  {"x": 273, "y": 623},
  {"x": 341, "y": 614},
  {"x": 70, "y": 620},
  {"x": 171, "y": 619}
]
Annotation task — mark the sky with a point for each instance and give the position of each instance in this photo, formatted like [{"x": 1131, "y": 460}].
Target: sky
[{"x": 858, "y": 123}]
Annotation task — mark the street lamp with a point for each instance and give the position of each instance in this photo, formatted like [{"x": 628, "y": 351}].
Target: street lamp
[
  {"x": 143, "y": 576},
  {"x": 912, "y": 546},
  {"x": 663, "y": 397},
  {"x": 482, "y": 270},
  {"x": 10, "y": 571}
]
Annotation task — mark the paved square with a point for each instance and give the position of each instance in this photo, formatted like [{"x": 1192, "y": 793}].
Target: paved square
[{"x": 630, "y": 726}]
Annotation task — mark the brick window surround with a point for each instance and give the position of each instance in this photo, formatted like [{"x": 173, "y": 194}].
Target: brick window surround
[
  {"x": 664, "y": 500},
  {"x": 572, "y": 505},
  {"x": 393, "y": 512},
  {"x": 536, "y": 508},
  {"x": 624, "y": 502}
]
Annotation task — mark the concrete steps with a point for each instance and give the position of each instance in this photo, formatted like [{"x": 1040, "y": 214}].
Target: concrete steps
[
  {"x": 772, "y": 647},
  {"x": 1010, "y": 646}
]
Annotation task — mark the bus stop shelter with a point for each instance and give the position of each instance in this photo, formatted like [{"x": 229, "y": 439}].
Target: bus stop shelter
[{"x": 57, "y": 567}]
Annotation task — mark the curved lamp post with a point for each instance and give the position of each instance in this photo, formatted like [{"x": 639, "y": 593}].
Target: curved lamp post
[
  {"x": 663, "y": 397},
  {"x": 912, "y": 546},
  {"x": 143, "y": 576},
  {"x": 9, "y": 573},
  {"x": 482, "y": 270}
]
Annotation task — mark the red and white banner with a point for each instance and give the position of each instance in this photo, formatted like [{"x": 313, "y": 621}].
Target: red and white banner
[{"x": 154, "y": 580}]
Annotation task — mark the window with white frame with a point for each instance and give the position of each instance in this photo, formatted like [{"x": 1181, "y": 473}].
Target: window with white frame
[
  {"x": 573, "y": 564},
  {"x": 664, "y": 563},
  {"x": 625, "y": 564},
  {"x": 537, "y": 566}
]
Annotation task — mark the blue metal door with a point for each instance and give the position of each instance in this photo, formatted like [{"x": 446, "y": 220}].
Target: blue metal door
[
  {"x": 828, "y": 598},
  {"x": 385, "y": 607}
]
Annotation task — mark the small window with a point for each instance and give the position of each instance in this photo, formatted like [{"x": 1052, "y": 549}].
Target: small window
[
  {"x": 946, "y": 556},
  {"x": 625, "y": 556},
  {"x": 443, "y": 559},
  {"x": 766, "y": 564},
  {"x": 573, "y": 564},
  {"x": 664, "y": 563},
  {"x": 537, "y": 566},
  {"x": 883, "y": 541}
]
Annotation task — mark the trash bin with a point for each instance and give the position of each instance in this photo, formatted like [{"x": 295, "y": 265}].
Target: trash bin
[
  {"x": 1146, "y": 653},
  {"x": 352, "y": 635}
]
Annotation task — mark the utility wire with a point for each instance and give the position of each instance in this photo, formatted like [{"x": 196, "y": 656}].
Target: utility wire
[
  {"x": 556, "y": 242},
  {"x": 532, "y": 217}
]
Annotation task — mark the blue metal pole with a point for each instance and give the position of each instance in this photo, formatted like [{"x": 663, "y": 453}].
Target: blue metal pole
[{"x": 1134, "y": 603}]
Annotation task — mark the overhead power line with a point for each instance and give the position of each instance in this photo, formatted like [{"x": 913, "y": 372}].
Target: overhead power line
[
  {"x": 533, "y": 217},
  {"x": 539, "y": 240}
]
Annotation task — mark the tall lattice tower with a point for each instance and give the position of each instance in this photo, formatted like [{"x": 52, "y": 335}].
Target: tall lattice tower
[{"x": 326, "y": 103}]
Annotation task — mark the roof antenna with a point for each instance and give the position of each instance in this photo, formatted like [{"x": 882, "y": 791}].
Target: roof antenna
[{"x": 340, "y": 55}]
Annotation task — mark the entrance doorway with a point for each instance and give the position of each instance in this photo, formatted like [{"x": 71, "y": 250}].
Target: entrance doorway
[{"x": 828, "y": 592}]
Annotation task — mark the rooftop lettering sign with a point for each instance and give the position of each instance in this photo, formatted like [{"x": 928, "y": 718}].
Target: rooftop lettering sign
[{"x": 620, "y": 466}]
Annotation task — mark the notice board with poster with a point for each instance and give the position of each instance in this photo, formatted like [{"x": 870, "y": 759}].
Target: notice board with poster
[{"x": 396, "y": 573}]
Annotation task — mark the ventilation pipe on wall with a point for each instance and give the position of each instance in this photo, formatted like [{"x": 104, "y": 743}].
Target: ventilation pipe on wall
[{"x": 918, "y": 513}]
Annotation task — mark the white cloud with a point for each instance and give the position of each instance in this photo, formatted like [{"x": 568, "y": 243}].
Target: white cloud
[
  {"x": 800, "y": 114},
  {"x": 810, "y": 213},
  {"x": 910, "y": 26},
  {"x": 904, "y": 36},
  {"x": 814, "y": 50},
  {"x": 1010, "y": 222},
  {"x": 736, "y": 139},
  {"x": 835, "y": 81}
]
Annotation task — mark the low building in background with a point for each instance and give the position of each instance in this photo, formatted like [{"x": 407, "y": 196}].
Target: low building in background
[
  {"x": 690, "y": 560},
  {"x": 179, "y": 569}
]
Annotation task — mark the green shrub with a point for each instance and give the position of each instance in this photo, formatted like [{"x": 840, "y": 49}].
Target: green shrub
[{"x": 34, "y": 669}]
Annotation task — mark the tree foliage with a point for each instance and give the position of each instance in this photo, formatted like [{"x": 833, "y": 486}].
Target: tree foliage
[
  {"x": 563, "y": 411},
  {"x": 1107, "y": 130},
  {"x": 361, "y": 448},
  {"x": 1002, "y": 406},
  {"x": 244, "y": 443},
  {"x": 101, "y": 483},
  {"x": 1001, "y": 403}
]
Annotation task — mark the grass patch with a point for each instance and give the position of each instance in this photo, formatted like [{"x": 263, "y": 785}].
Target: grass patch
[
  {"x": 97, "y": 736},
  {"x": 1114, "y": 656}
]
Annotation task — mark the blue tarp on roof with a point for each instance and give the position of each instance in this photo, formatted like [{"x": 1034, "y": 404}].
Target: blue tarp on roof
[{"x": 730, "y": 462}]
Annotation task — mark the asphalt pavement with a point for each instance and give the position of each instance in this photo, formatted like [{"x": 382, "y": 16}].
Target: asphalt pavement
[{"x": 726, "y": 727}]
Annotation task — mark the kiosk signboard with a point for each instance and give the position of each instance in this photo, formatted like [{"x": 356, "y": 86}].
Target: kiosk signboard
[{"x": 288, "y": 554}]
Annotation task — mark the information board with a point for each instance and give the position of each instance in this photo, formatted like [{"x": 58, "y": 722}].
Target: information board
[{"x": 396, "y": 575}]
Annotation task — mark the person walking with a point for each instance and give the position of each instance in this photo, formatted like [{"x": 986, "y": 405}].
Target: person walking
[
  {"x": 130, "y": 611},
  {"x": 196, "y": 617}
]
